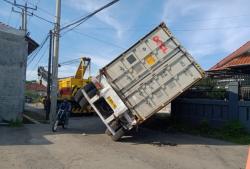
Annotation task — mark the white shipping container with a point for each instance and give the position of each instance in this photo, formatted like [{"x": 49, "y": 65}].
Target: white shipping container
[
  {"x": 141, "y": 81},
  {"x": 152, "y": 72}
]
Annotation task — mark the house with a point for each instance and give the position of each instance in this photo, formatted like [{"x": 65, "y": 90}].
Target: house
[
  {"x": 239, "y": 59},
  {"x": 35, "y": 87},
  {"x": 15, "y": 47},
  {"x": 234, "y": 67}
]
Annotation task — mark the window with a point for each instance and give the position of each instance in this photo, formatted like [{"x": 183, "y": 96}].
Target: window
[{"x": 131, "y": 59}]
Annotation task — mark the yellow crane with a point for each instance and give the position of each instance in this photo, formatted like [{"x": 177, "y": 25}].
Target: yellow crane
[{"x": 68, "y": 86}]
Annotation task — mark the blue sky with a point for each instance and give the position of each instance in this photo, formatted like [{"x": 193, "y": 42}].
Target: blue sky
[{"x": 209, "y": 30}]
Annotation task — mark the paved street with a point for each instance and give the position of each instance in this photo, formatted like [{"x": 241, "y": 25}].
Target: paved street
[{"x": 83, "y": 145}]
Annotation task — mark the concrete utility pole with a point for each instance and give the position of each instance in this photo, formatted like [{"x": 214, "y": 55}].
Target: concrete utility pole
[
  {"x": 53, "y": 106},
  {"x": 49, "y": 75},
  {"x": 24, "y": 14}
]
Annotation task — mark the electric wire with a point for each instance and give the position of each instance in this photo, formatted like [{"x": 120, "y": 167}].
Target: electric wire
[
  {"x": 100, "y": 40},
  {"x": 41, "y": 9},
  {"x": 9, "y": 18},
  {"x": 77, "y": 23},
  {"x": 36, "y": 52},
  {"x": 42, "y": 55}
]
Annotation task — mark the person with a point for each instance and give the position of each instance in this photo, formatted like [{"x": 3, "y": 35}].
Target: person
[{"x": 66, "y": 106}]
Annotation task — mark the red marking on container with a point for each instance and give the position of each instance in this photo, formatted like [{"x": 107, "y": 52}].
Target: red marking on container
[{"x": 160, "y": 43}]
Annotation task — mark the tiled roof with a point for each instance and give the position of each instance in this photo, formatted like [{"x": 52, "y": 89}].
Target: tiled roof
[
  {"x": 35, "y": 87},
  {"x": 238, "y": 58}
]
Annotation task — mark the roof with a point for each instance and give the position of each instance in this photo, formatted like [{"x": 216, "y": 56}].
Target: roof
[
  {"x": 9, "y": 29},
  {"x": 240, "y": 57},
  {"x": 32, "y": 45},
  {"x": 35, "y": 87}
]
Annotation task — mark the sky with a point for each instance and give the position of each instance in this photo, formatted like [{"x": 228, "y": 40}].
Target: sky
[{"x": 209, "y": 30}]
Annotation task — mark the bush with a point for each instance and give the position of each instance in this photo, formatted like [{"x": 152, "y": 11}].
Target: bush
[
  {"x": 16, "y": 123},
  {"x": 204, "y": 127},
  {"x": 234, "y": 129}
]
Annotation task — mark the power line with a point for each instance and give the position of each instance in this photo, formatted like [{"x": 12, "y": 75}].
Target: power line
[
  {"x": 34, "y": 5},
  {"x": 100, "y": 40},
  {"x": 28, "y": 12},
  {"x": 42, "y": 55},
  {"x": 176, "y": 28},
  {"x": 35, "y": 53},
  {"x": 39, "y": 17},
  {"x": 9, "y": 18},
  {"x": 77, "y": 23},
  {"x": 215, "y": 28},
  {"x": 41, "y": 9}
]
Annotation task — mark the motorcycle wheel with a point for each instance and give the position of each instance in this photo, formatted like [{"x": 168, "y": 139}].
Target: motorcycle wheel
[{"x": 54, "y": 126}]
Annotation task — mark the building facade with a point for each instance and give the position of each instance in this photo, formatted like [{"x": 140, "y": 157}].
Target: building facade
[{"x": 14, "y": 49}]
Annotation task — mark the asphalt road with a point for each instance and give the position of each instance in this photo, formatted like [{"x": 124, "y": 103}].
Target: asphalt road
[{"x": 83, "y": 145}]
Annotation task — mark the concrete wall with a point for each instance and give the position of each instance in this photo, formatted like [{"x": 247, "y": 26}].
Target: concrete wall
[{"x": 13, "y": 56}]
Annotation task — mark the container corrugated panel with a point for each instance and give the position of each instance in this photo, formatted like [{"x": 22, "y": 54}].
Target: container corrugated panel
[{"x": 152, "y": 72}]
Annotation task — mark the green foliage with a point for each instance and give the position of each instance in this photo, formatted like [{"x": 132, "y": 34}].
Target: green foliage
[
  {"x": 204, "y": 127},
  {"x": 233, "y": 129},
  {"x": 31, "y": 81},
  {"x": 34, "y": 95},
  {"x": 16, "y": 123}
]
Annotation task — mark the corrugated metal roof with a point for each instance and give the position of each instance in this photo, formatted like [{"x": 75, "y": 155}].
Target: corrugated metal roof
[{"x": 239, "y": 57}]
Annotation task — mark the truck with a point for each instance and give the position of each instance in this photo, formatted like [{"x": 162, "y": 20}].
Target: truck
[
  {"x": 140, "y": 82},
  {"x": 68, "y": 86}
]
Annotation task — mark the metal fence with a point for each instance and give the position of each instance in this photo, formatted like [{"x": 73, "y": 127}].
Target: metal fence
[
  {"x": 244, "y": 92},
  {"x": 216, "y": 112}
]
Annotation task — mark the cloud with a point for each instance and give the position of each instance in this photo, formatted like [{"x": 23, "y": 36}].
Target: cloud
[
  {"x": 105, "y": 16},
  {"x": 211, "y": 26}
]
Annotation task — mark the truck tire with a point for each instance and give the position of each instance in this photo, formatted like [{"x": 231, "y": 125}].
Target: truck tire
[
  {"x": 83, "y": 102},
  {"x": 118, "y": 135},
  {"x": 114, "y": 125},
  {"x": 87, "y": 88}
]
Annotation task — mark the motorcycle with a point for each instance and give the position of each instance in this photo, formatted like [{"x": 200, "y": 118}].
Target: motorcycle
[{"x": 61, "y": 118}]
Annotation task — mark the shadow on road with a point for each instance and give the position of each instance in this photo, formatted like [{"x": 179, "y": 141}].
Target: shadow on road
[{"x": 35, "y": 134}]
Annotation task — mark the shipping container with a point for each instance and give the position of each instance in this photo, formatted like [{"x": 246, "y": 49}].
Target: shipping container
[{"x": 141, "y": 81}]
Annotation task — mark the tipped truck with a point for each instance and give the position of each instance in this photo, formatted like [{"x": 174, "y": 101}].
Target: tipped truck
[{"x": 141, "y": 81}]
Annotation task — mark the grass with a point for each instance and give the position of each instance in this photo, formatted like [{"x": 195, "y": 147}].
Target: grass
[
  {"x": 232, "y": 131},
  {"x": 16, "y": 123}
]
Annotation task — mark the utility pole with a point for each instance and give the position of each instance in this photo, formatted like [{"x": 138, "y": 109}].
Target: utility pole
[
  {"x": 24, "y": 13},
  {"x": 53, "y": 106},
  {"x": 48, "y": 100}
]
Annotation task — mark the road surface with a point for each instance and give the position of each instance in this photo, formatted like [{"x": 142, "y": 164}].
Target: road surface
[{"x": 84, "y": 146}]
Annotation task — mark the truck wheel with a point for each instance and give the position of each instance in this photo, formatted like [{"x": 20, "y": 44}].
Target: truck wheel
[
  {"x": 108, "y": 132},
  {"x": 83, "y": 102},
  {"x": 54, "y": 126},
  {"x": 114, "y": 125},
  {"x": 119, "y": 133}
]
